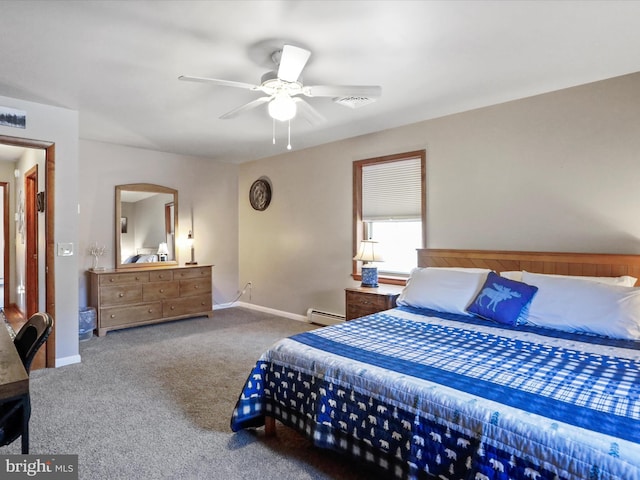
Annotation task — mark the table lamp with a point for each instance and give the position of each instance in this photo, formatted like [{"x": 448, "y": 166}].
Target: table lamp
[
  {"x": 190, "y": 245},
  {"x": 369, "y": 252},
  {"x": 163, "y": 252}
]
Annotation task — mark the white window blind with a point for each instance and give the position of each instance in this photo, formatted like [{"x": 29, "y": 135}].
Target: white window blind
[{"x": 392, "y": 191}]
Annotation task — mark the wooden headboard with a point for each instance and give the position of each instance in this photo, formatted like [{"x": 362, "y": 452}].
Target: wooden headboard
[{"x": 587, "y": 264}]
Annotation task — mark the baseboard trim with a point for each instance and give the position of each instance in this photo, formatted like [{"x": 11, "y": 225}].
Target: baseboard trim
[
  {"x": 61, "y": 362},
  {"x": 273, "y": 311}
]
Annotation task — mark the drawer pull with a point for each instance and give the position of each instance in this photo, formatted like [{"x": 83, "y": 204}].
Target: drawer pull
[
  {"x": 172, "y": 307},
  {"x": 162, "y": 290},
  {"x": 151, "y": 310},
  {"x": 197, "y": 287},
  {"x": 121, "y": 294},
  {"x": 112, "y": 280},
  {"x": 137, "y": 278},
  {"x": 113, "y": 315}
]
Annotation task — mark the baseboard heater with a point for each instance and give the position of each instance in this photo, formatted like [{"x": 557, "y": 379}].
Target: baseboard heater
[{"x": 324, "y": 318}]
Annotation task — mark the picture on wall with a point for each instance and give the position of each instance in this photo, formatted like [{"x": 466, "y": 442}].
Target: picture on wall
[
  {"x": 11, "y": 117},
  {"x": 123, "y": 224}
]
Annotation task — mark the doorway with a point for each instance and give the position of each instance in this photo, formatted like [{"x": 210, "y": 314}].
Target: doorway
[{"x": 45, "y": 291}]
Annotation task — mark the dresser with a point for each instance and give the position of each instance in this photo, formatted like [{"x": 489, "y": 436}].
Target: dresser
[
  {"x": 361, "y": 301},
  {"x": 128, "y": 298}
]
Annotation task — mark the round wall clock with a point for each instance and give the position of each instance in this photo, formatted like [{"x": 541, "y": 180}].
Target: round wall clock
[{"x": 260, "y": 194}]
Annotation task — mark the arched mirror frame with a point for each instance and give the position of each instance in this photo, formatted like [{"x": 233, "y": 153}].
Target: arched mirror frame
[{"x": 150, "y": 188}]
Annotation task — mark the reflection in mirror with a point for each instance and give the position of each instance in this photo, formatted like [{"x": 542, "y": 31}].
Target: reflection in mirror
[{"x": 146, "y": 225}]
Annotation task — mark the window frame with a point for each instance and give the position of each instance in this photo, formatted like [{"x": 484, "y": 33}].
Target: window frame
[{"x": 358, "y": 228}]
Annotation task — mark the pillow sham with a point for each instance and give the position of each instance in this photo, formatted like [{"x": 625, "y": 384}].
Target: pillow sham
[
  {"x": 502, "y": 300},
  {"x": 569, "y": 304},
  {"x": 442, "y": 289},
  {"x": 623, "y": 281}
]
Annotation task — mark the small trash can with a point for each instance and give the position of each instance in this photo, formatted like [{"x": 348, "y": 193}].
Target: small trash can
[{"x": 87, "y": 323}]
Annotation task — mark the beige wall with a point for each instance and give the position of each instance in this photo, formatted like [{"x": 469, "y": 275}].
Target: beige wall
[
  {"x": 60, "y": 126},
  {"x": 555, "y": 172},
  {"x": 207, "y": 188}
]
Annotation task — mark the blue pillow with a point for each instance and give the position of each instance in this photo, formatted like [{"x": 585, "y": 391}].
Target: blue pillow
[{"x": 502, "y": 300}]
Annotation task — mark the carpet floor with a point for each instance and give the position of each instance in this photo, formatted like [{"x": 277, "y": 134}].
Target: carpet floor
[{"x": 155, "y": 402}]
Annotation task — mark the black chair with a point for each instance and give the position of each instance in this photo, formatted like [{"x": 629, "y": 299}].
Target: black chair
[
  {"x": 32, "y": 336},
  {"x": 15, "y": 413}
]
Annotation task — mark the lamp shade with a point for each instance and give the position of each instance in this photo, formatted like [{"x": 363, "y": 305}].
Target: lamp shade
[
  {"x": 282, "y": 107},
  {"x": 163, "y": 249},
  {"x": 369, "y": 251}
]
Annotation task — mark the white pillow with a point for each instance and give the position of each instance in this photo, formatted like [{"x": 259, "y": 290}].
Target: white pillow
[
  {"x": 566, "y": 303},
  {"x": 516, "y": 275},
  {"x": 443, "y": 289},
  {"x": 623, "y": 281}
]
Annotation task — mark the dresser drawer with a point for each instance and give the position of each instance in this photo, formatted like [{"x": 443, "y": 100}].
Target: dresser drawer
[
  {"x": 357, "y": 311},
  {"x": 194, "y": 286},
  {"x": 367, "y": 301},
  {"x": 121, "y": 295},
  {"x": 114, "y": 316},
  {"x": 123, "y": 278},
  {"x": 196, "y": 272},
  {"x": 186, "y": 306},
  {"x": 160, "y": 291},
  {"x": 161, "y": 276}
]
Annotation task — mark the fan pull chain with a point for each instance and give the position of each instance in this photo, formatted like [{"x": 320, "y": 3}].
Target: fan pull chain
[
  {"x": 289, "y": 144},
  {"x": 274, "y": 131}
]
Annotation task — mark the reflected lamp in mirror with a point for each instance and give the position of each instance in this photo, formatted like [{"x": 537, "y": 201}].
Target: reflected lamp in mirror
[
  {"x": 163, "y": 252},
  {"x": 190, "y": 245},
  {"x": 369, "y": 252}
]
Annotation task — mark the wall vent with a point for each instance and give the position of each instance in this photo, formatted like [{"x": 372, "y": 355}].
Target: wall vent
[{"x": 324, "y": 318}]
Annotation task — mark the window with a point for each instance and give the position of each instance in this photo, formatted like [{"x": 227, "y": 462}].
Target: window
[{"x": 390, "y": 208}]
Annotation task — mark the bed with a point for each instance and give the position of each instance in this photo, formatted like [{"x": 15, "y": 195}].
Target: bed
[
  {"x": 442, "y": 386},
  {"x": 143, "y": 255}
]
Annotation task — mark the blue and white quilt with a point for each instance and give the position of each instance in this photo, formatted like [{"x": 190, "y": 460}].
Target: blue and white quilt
[{"x": 420, "y": 393}]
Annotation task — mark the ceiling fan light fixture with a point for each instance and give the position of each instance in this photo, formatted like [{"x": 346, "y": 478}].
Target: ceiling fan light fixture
[{"x": 282, "y": 107}]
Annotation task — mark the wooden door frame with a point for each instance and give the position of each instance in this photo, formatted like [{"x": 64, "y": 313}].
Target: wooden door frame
[
  {"x": 7, "y": 243},
  {"x": 49, "y": 266},
  {"x": 32, "y": 272}
]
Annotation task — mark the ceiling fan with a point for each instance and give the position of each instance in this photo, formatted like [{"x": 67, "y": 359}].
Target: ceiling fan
[{"x": 283, "y": 89}]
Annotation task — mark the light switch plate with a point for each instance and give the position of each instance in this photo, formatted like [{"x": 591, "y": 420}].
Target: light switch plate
[{"x": 65, "y": 249}]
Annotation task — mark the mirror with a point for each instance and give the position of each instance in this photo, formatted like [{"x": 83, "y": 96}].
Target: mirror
[{"x": 146, "y": 224}]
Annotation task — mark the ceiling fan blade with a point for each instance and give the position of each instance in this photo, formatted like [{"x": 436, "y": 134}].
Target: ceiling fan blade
[
  {"x": 371, "y": 91},
  {"x": 292, "y": 62},
  {"x": 224, "y": 83},
  {"x": 307, "y": 112},
  {"x": 246, "y": 107}
]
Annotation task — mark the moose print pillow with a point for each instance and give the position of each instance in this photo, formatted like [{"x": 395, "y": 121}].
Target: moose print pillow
[{"x": 501, "y": 299}]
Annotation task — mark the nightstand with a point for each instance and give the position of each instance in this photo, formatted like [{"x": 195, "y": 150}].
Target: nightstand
[{"x": 363, "y": 301}]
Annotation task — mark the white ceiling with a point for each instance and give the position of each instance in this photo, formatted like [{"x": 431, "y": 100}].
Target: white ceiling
[{"x": 117, "y": 62}]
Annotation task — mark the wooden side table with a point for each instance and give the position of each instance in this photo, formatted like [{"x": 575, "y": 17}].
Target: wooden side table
[{"x": 363, "y": 301}]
